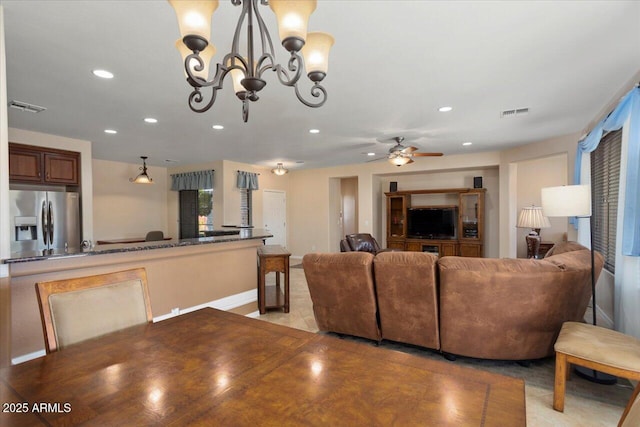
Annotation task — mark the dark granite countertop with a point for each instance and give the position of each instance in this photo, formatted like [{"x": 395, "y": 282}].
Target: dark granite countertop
[{"x": 243, "y": 234}]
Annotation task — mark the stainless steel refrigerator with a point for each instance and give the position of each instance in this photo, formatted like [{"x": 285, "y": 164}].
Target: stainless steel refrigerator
[{"x": 44, "y": 222}]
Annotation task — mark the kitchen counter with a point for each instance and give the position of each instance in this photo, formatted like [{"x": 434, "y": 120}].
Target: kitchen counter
[
  {"x": 182, "y": 275},
  {"x": 222, "y": 236}
]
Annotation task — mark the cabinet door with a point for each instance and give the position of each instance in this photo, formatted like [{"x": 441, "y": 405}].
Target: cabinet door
[
  {"x": 395, "y": 244},
  {"x": 60, "y": 168},
  {"x": 24, "y": 165},
  {"x": 396, "y": 216},
  {"x": 448, "y": 249},
  {"x": 470, "y": 250},
  {"x": 414, "y": 246}
]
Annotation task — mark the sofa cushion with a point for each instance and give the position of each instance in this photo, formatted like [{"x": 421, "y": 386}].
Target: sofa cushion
[
  {"x": 406, "y": 290},
  {"x": 562, "y": 247},
  {"x": 342, "y": 291}
]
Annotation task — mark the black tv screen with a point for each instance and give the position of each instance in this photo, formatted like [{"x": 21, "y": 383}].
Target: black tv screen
[{"x": 432, "y": 223}]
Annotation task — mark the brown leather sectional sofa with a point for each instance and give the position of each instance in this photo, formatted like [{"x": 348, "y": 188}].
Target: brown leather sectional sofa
[{"x": 506, "y": 309}]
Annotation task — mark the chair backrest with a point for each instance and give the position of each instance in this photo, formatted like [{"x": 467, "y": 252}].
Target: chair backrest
[
  {"x": 343, "y": 293},
  {"x": 344, "y": 246},
  {"x": 363, "y": 242},
  {"x": 74, "y": 310},
  {"x": 154, "y": 235}
]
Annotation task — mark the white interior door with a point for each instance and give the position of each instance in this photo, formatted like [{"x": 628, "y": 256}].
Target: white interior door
[{"x": 275, "y": 216}]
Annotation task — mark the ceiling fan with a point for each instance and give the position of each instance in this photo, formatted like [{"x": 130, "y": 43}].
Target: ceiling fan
[{"x": 400, "y": 155}]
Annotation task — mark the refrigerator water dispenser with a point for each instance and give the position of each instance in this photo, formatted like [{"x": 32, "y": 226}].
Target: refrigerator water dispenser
[{"x": 26, "y": 228}]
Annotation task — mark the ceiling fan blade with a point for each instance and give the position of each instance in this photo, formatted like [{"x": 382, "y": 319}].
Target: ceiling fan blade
[
  {"x": 426, "y": 154},
  {"x": 375, "y": 160},
  {"x": 410, "y": 161},
  {"x": 409, "y": 149}
]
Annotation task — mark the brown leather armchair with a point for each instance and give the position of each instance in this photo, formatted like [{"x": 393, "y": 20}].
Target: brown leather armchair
[{"x": 361, "y": 242}]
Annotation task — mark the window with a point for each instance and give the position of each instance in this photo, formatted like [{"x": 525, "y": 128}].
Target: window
[
  {"x": 245, "y": 207},
  {"x": 605, "y": 180},
  {"x": 196, "y": 213}
]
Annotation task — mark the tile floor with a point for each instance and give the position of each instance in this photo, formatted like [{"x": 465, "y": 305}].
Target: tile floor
[{"x": 586, "y": 404}]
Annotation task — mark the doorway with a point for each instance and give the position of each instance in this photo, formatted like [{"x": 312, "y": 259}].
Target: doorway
[{"x": 274, "y": 214}]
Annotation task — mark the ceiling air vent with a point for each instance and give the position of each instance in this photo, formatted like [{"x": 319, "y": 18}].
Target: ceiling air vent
[
  {"x": 515, "y": 112},
  {"x": 24, "y": 106}
]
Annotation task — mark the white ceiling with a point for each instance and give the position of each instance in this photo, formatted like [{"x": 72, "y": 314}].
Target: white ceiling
[{"x": 394, "y": 63}]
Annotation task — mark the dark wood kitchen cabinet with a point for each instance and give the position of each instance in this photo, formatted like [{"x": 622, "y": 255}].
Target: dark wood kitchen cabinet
[{"x": 30, "y": 164}]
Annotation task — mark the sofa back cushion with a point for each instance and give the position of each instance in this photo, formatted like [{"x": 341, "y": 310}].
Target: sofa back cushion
[
  {"x": 342, "y": 291},
  {"x": 562, "y": 247},
  {"x": 511, "y": 308},
  {"x": 406, "y": 289}
]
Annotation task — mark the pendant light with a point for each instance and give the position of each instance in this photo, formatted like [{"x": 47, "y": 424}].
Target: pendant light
[{"x": 143, "y": 177}]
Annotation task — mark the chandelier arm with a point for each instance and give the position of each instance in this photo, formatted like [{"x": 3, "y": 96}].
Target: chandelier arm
[
  {"x": 283, "y": 75},
  {"x": 235, "y": 46},
  {"x": 265, "y": 37},
  {"x": 317, "y": 91}
]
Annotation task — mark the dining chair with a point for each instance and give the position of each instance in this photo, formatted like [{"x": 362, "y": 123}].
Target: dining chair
[
  {"x": 154, "y": 236},
  {"x": 631, "y": 415},
  {"x": 77, "y": 309},
  {"x": 594, "y": 347}
]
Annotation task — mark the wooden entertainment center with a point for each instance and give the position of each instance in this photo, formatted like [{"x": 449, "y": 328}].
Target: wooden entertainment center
[{"x": 469, "y": 229}]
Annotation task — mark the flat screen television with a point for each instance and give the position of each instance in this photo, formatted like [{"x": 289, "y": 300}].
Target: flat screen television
[{"x": 432, "y": 222}]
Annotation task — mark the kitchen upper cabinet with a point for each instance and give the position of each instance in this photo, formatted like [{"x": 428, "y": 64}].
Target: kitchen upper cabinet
[{"x": 29, "y": 164}]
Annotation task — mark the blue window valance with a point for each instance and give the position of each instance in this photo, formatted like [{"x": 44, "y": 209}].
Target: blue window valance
[
  {"x": 628, "y": 108},
  {"x": 248, "y": 180},
  {"x": 199, "y": 180}
]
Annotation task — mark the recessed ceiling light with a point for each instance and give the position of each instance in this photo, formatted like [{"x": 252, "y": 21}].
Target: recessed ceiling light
[
  {"x": 150, "y": 120},
  {"x": 110, "y": 131},
  {"x": 104, "y": 74},
  {"x": 371, "y": 154},
  {"x": 445, "y": 109},
  {"x": 218, "y": 127},
  {"x": 314, "y": 130},
  {"x": 467, "y": 143}
]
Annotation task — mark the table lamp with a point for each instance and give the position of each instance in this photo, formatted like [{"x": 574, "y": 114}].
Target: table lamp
[{"x": 532, "y": 217}]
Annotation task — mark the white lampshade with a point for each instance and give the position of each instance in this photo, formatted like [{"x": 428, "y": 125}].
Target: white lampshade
[
  {"x": 237, "y": 75},
  {"x": 206, "y": 56},
  {"x": 316, "y": 52},
  {"x": 532, "y": 217},
  {"x": 194, "y": 17},
  {"x": 293, "y": 17},
  {"x": 567, "y": 200}
]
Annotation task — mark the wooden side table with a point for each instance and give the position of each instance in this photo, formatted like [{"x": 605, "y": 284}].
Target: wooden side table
[
  {"x": 544, "y": 248},
  {"x": 273, "y": 258}
]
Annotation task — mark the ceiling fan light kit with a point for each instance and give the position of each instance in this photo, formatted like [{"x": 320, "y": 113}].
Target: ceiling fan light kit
[
  {"x": 247, "y": 66},
  {"x": 401, "y": 155}
]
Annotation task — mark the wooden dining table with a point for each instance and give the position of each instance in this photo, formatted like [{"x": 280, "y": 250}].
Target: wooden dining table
[{"x": 214, "y": 368}]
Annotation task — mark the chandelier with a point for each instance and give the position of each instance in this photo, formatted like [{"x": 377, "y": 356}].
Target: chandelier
[
  {"x": 246, "y": 65},
  {"x": 143, "y": 177}
]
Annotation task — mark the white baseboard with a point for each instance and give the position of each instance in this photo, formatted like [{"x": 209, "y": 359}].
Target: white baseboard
[
  {"x": 226, "y": 303},
  {"x": 27, "y": 357}
]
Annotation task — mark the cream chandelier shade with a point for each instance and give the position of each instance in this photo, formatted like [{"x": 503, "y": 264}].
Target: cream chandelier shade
[{"x": 143, "y": 177}]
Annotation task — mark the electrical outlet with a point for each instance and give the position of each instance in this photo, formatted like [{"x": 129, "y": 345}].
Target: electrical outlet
[
  {"x": 175, "y": 311},
  {"x": 313, "y": 247}
]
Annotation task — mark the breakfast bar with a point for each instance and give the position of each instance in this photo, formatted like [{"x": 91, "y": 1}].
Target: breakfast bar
[{"x": 183, "y": 275}]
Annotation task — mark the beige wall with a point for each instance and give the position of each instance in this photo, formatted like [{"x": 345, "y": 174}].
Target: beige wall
[
  {"x": 226, "y": 196},
  {"x": 310, "y": 218},
  {"x": 122, "y": 209},
  {"x": 532, "y": 176}
]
